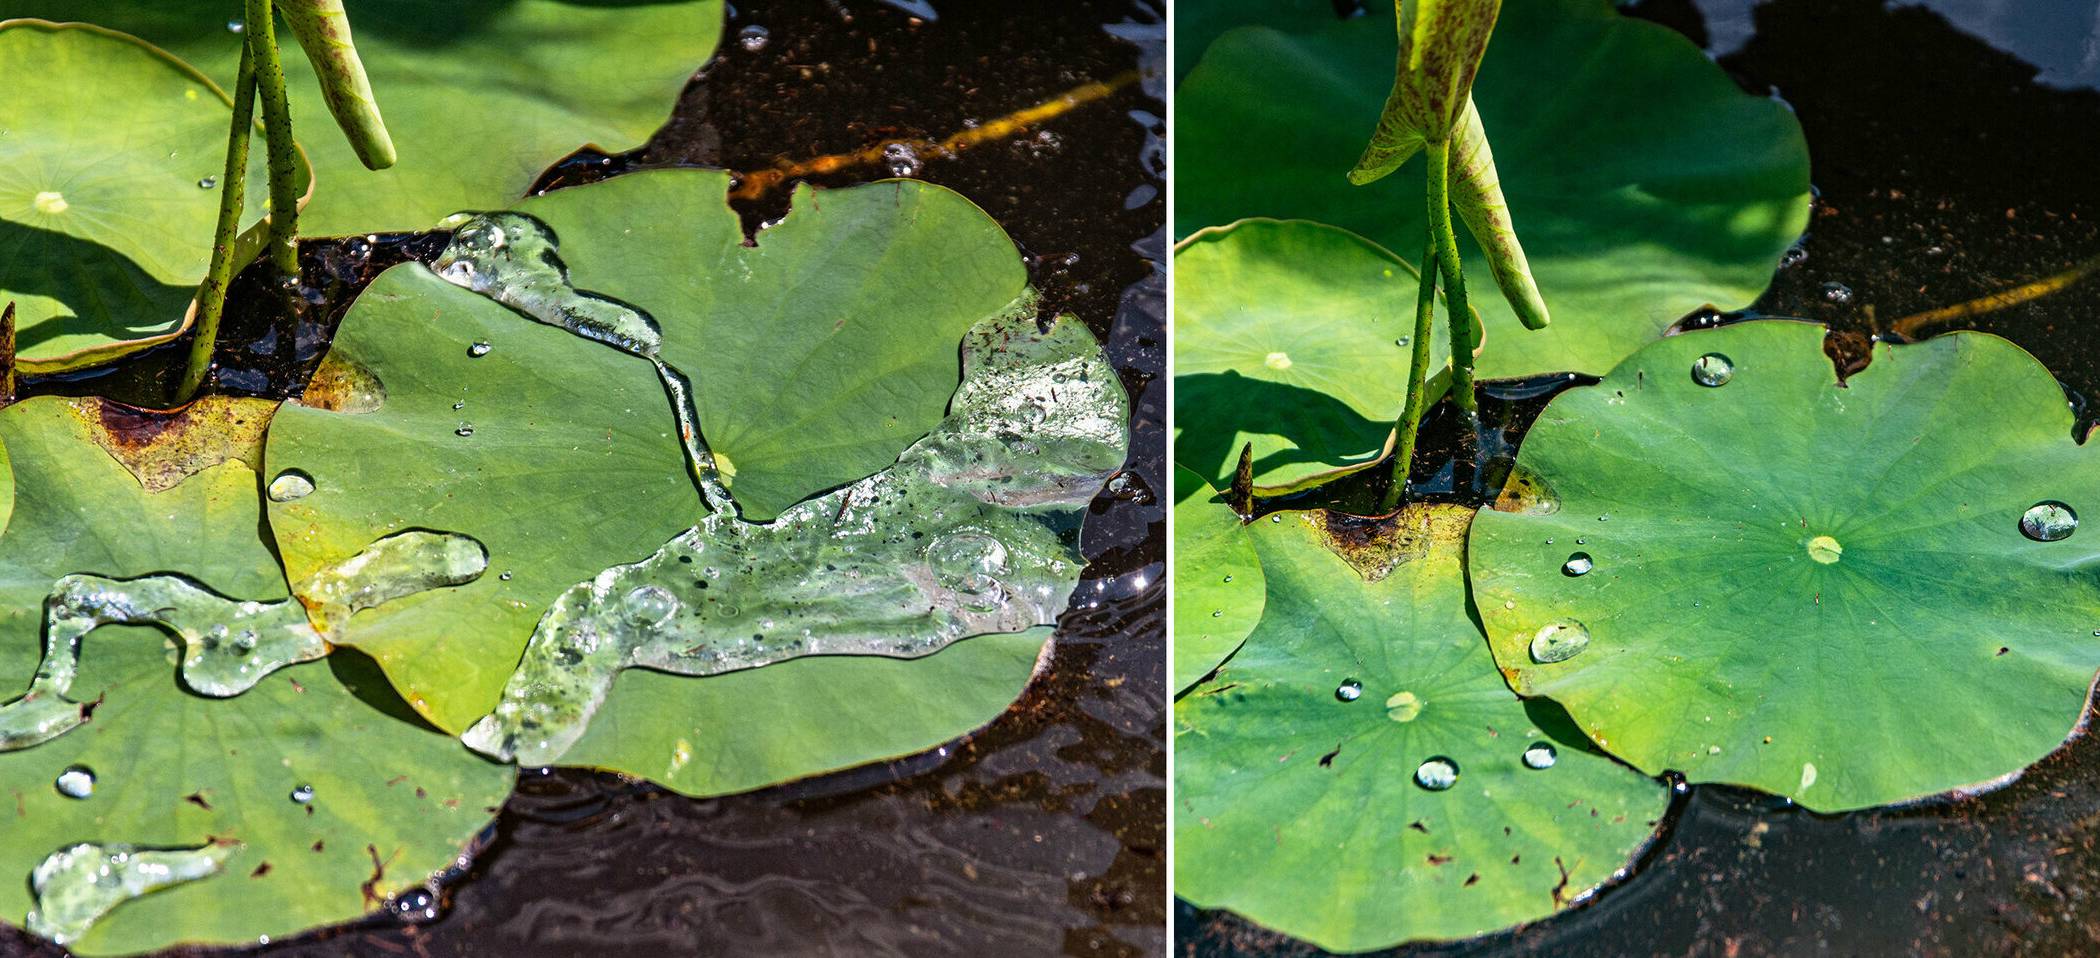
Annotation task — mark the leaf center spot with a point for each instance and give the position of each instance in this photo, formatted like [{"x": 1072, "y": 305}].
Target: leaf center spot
[
  {"x": 1403, "y": 707},
  {"x": 54, "y": 203},
  {"x": 1278, "y": 361},
  {"x": 1825, "y": 549}
]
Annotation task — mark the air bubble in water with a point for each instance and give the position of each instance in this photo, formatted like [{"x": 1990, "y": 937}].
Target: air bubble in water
[
  {"x": 1837, "y": 293},
  {"x": 900, "y": 159},
  {"x": 753, "y": 38},
  {"x": 650, "y": 605}
]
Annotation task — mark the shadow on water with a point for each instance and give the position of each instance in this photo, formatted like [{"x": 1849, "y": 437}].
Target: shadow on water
[
  {"x": 1041, "y": 834},
  {"x": 1945, "y": 171}
]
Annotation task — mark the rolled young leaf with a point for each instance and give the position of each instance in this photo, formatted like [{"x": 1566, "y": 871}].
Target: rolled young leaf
[
  {"x": 1476, "y": 192},
  {"x": 323, "y": 28}
]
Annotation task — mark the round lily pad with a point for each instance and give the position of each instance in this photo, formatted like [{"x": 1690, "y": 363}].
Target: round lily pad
[
  {"x": 480, "y": 98},
  {"x": 1819, "y": 589},
  {"x": 1291, "y": 336},
  {"x": 816, "y": 355},
  {"x": 1642, "y": 182},
  {"x": 391, "y": 801},
  {"x": 110, "y": 155},
  {"x": 558, "y": 454},
  {"x": 1358, "y": 775},
  {"x": 1218, "y": 584}
]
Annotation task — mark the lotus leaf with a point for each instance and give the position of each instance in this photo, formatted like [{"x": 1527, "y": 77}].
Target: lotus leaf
[
  {"x": 1644, "y": 184},
  {"x": 1358, "y": 775},
  {"x": 1821, "y": 589},
  {"x": 1218, "y": 585},
  {"x": 391, "y": 801},
  {"x": 110, "y": 153}
]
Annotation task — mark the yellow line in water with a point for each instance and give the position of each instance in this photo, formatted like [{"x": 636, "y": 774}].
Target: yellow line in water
[{"x": 2025, "y": 293}]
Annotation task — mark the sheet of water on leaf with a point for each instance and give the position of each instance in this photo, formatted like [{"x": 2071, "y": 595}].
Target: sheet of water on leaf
[
  {"x": 973, "y": 531},
  {"x": 75, "y": 886}
]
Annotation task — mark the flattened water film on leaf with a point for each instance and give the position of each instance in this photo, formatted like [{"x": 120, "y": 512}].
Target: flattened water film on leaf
[
  {"x": 1318, "y": 813},
  {"x": 78, "y": 885},
  {"x": 1804, "y": 633},
  {"x": 973, "y": 531}
]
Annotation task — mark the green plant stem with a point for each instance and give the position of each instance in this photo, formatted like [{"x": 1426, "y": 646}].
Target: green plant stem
[
  {"x": 1446, "y": 240},
  {"x": 277, "y": 130},
  {"x": 211, "y": 297},
  {"x": 1410, "y": 423}
]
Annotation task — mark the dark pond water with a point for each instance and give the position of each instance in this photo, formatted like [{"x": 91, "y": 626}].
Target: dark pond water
[
  {"x": 1041, "y": 834},
  {"x": 1955, "y": 148}
]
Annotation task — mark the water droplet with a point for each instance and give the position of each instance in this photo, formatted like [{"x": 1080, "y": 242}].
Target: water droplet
[
  {"x": 1577, "y": 564},
  {"x": 1437, "y": 774},
  {"x": 236, "y": 26},
  {"x": 303, "y": 794},
  {"x": 1540, "y": 755},
  {"x": 1403, "y": 706},
  {"x": 1403, "y": 341},
  {"x": 1837, "y": 293},
  {"x": 1276, "y": 518},
  {"x": 1228, "y": 578},
  {"x": 1825, "y": 549},
  {"x": 1559, "y": 642},
  {"x": 462, "y": 404},
  {"x": 77, "y": 781},
  {"x": 650, "y": 605},
  {"x": 1217, "y": 613},
  {"x": 1349, "y": 691},
  {"x": 465, "y": 429},
  {"x": 479, "y": 349},
  {"x": 753, "y": 38},
  {"x": 291, "y": 485},
  {"x": 1604, "y": 518},
  {"x": 2049, "y": 521},
  {"x": 208, "y": 182},
  {"x": 1582, "y": 540},
  {"x": 1713, "y": 369}
]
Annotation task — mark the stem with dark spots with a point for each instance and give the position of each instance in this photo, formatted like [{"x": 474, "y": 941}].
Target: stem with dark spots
[
  {"x": 1410, "y": 424},
  {"x": 211, "y": 297},
  {"x": 1446, "y": 241},
  {"x": 277, "y": 130}
]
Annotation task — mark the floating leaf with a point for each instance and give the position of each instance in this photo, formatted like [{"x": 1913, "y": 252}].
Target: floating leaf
[
  {"x": 1218, "y": 590},
  {"x": 169, "y": 769},
  {"x": 1822, "y": 590},
  {"x": 1645, "y": 184},
  {"x": 558, "y": 455},
  {"x": 480, "y": 98},
  {"x": 818, "y": 354},
  {"x": 1358, "y": 775},
  {"x": 110, "y": 153},
  {"x": 1291, "y": 336}
]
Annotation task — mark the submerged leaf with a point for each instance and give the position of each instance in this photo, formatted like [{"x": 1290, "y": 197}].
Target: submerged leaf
[
  {"x": 1824, "y": 590},
  {"x": 1358, "y": 775},
  {"x": 1646, "y": 183}
]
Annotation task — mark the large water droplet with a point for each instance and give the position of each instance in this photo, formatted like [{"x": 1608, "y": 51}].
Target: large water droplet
[
  {"x": 291, "y": 485},
  {"x": 1349, "y": 691},
  {"x": 76, "y": 781},
  {"x": 1713, "y": 369},
  {"x": 303, "y": 794},
  {"x": 2049, "y": 521},
  {"x": 753, "y": 38},
  {"x": 1577, "y": 564},
  {"x": 1540, "y": 755},
  {"x": 1559, "y": 642},
  {"x": 1437, "y": 774}
]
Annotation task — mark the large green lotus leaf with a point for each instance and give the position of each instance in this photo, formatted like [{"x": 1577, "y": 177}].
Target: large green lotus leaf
[
  {"x": 480, "y": 97},
  {"x": 1218, "y": 585},
  {"x": 570, "y": 462},
  {"x": 1643, "y": 183},
  {"x": 175, "y": 769},
  {"x": 816, "y": 355},
  {"x": 1200, "y": 23},
  {"x": 1818, "y": 589},
  {"x": 106, "y": 145},
  {"x": 757, "y": 727},
  {"x": 1289, "y": 335},
  {"x": 1299, "y": 782}
]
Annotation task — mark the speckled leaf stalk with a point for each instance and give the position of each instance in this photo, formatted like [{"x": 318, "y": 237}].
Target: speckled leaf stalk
[
  {"x": 233, "y": 195},
  {"x": 1447, "y": 263},
  {"x": 1418, "y": 375},
  {"x": 283, "y": 245},
  {"x": 324, "y": 30}
]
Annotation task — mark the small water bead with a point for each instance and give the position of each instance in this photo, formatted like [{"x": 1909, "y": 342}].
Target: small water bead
[
  {"x": 505, "y": 576},
  {"x": 208, "y": 182},
  {"x": 2049, "y": 521},
  {"x": 1349, "y": 691},
  {"x": 1403, "y": 341},
  {"x": 462, "y": 404},
  {"x": 1582, "y": 540},
  {"x": 1540, "y": 755},
  {"x": 1794, "y": 256},
  {"x": 465, "y": 429},
  {"x": 1217, "y": 613},
  {"x": 291, "y": 485},
  {"x": 1578, "y": 564},
  {"x": 1228, "y": 578},
  {"x": 1713, "y": 369},
  {"x": 479, "y": 349},
  {"x": 76, "y": 781},
  {"x": 236, "y": 26},
  {"x": 1559, "y": 642},
  {"x": 303, "y": 794},
  {"x": 753, "y": 38},
  {"x": 1437, "y": 774},
  {"x": 1837, "y": 293}
]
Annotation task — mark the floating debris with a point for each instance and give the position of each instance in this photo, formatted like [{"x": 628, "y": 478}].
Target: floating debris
[{"x": 77, "y": 885}]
